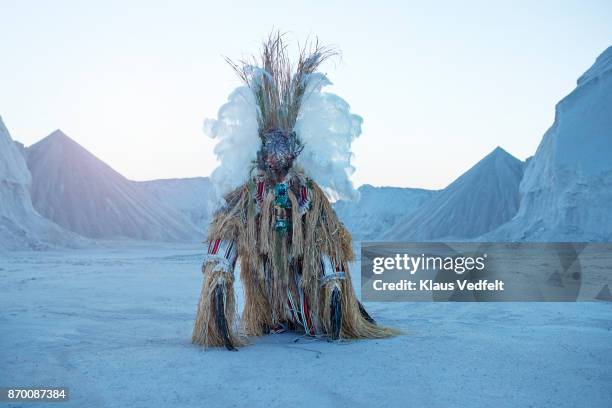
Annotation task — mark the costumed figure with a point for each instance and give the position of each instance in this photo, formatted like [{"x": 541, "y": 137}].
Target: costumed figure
[{"x": 275, "y": 221}]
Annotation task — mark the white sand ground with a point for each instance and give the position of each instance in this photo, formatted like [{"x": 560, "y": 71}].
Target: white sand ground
[{"x": 114, "y": 326}]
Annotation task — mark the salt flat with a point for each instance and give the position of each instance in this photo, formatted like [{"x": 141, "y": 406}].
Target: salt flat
[{"x": 114, "y": 326}]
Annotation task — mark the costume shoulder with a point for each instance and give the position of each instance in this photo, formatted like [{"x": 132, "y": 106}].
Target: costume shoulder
[
  {"x": 335, "y": 238},
  {"x": 227, "y": 219}
]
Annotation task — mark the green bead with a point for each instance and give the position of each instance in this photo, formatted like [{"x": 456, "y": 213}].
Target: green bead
[{"x": 281, "y": 196}]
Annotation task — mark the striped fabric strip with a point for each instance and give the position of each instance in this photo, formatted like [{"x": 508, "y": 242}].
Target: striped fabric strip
[
  {"x": 223, "y": 252},
  {"x": 331, "y": 271},
  {"x": 260, "y": 189},
  {"x": 304, "y": 199}
]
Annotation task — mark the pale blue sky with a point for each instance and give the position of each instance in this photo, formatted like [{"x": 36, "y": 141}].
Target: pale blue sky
[{"x": 439, "y": 84}]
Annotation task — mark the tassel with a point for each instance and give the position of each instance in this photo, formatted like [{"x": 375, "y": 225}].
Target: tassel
[
  {"x": 335, "y": 313},
  {"x": 220, "y": 316},
  {"x": 215, "y": 317}
]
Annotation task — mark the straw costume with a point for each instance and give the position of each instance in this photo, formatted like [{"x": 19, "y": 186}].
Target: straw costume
[{"x": 280, "y": 227}]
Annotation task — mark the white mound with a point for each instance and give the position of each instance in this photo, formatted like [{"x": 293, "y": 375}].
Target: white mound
[
  {"x": 78, "y": 191},
  {"x": 483, "y": 198},
  {"x": 567, "y": 189},
  {"x": 378, "y": 209},
  {"x": 21, "y": 227}
]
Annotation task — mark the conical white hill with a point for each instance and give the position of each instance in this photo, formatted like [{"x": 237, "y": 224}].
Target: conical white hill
[
  {"x": 481, "y": 199},
  {"x": 21, "y": 227},
  {"x": 378, "y": 209},
  {"x": 78, "y": 191},
  {"x": 567, "y": 189}
]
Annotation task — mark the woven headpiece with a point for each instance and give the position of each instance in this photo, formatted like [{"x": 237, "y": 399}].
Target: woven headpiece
[{"x": 279, "y": 87}]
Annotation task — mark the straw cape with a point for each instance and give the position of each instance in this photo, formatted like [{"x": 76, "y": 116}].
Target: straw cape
[{"x": 294, "y": 253}]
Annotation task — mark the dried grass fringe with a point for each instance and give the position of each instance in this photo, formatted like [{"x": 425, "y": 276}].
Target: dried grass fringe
[
  {"x": 205, "y": 331},
  {"x": 257, "y": 313},
  {"x": 277, "y": 84},
  {"x": 318, "y": 232},
  {"x": 354, "y": 325}
]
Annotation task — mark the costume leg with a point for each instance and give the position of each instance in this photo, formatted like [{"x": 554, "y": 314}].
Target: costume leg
[
  {"x": 343, "y": 315},
  {"x": 215, "y": 323},
  {"x": 332, "y": 320},
  {"x": 335, "y": 313}
]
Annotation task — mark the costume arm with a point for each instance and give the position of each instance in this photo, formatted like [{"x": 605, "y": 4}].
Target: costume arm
[
  {"x": 343, "y": 313},
  {"x": 215, "y": 320}
]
